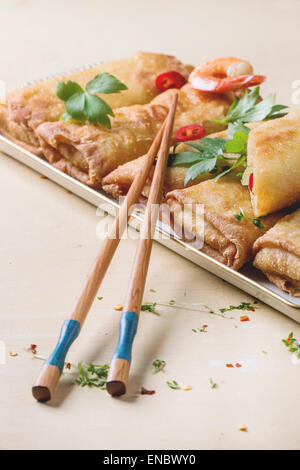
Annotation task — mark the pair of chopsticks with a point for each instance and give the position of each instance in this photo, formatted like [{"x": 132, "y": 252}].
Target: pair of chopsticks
[{"x": 44, "y": 388}]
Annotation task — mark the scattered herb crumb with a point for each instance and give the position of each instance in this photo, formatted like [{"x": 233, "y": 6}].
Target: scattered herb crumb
[
  {"x": 153, "y": 290},
  {"x": 174, "y": 385},
  {"x": 158, "y": 365},
  {"x": 148, "y": 307},
  {"x": 213, "y": 384},
  {"x": 242, "y": 306},
  {"x": 264, "y": 352},
  {"x": 292, "y": 344},
  {"x": 203, "y": 329},
  {"x": 99, "y": 298},
  {"x": 144, "y": 391},
  {"x": 255, "y": 220},
  {"x": 92, "y": 375}
]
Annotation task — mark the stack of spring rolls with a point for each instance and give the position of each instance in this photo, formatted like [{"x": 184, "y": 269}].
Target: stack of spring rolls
[
  {"x": 274, "y": 159},
  {"x": 110, "y": 159}
]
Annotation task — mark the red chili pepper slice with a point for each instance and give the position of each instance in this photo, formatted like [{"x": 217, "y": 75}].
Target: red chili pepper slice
[
  {"x": 167, "y": 80},
  {"x": 192, "y": 132},
  {"x": 251, "y": 182}
]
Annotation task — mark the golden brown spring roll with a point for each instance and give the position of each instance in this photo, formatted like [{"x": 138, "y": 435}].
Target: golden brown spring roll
[
  {"x": 28, "y": 107},
  {"x": 118, "y": 182},
  {"x": 274, "y": 160},
  {"x": 278, "y": 254},
  {"x": 90, "y": 152},
  {"x": 225, "y": 238}
]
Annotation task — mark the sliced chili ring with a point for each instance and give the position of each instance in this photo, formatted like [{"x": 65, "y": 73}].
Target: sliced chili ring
[
  {"x": 251, "y": 182},
  {"x": 193, "y": 132},
  {"x": 167, "y": 80}
]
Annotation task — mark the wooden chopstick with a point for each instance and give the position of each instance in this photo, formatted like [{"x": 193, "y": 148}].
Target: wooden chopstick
[
  {"x": 45, "y": 384},
  {"x": 119, "y": 369}
]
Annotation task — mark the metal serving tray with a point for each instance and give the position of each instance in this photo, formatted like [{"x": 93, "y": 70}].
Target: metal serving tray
[{"x": 248, "y": 278}]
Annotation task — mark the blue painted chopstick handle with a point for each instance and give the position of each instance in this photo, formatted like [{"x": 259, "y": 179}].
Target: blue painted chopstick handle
[
  {"x": 127, "y": 331},
  {"x": 68, "y": 333}
]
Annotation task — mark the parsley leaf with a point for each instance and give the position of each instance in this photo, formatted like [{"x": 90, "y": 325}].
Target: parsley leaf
[
  {"x": 199, "y": 168},
  {"x": 238, "y": 144},
  {"x": 246, "y": 109},
  {"x": 240, "y": 161},
  {"x": 84, "y": 105},
  {"x": 105, "y": 83},
  {"x": 64, "y": 90},
  {"x": 209, "y": 150},
  {"x": 236, "y": 126}
]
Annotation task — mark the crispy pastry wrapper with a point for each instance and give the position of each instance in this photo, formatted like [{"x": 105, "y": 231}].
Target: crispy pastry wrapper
[
  {"x": 26, "y": 108},
  {"x": 277, "y": 254},
  {"x": 274, "y": 157},
  {"x": 224, "y": 238},
  {"x": 89, "y": 152}
]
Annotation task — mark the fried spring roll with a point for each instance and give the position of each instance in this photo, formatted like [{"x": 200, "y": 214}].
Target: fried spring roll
[
  {"x": 225, "y": 238},
  {"x": 118, "y": 182},
  {"x": 90, "y": 152},
  {"x": 278, "y": 254},
  {"x": 28, "y": 107},
  {"x": 274, "y": 160}
]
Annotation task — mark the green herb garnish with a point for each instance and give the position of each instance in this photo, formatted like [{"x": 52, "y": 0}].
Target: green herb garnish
[
  {"x": 158, "y": 365},
  {"x": 174, "y": 385},
  {"x": 209, "y": 152},
  {"x": 91, "y": 375},
  {"x": 148, "y": 307},
  {"x": 247, "y": 109},
  {"x": 212, "y": 383},
  {"x": 242, "y": 306},
  {"x": 203, "y": 160},
  {"x": 203, "y": 329},
  {"x": 255, "y": 220},
  {"x": 292, "y": 344},
  {"x": 83, "y": 105}
]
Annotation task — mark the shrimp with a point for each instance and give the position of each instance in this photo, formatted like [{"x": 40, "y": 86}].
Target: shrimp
[{"x": 224, "y": 74}]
